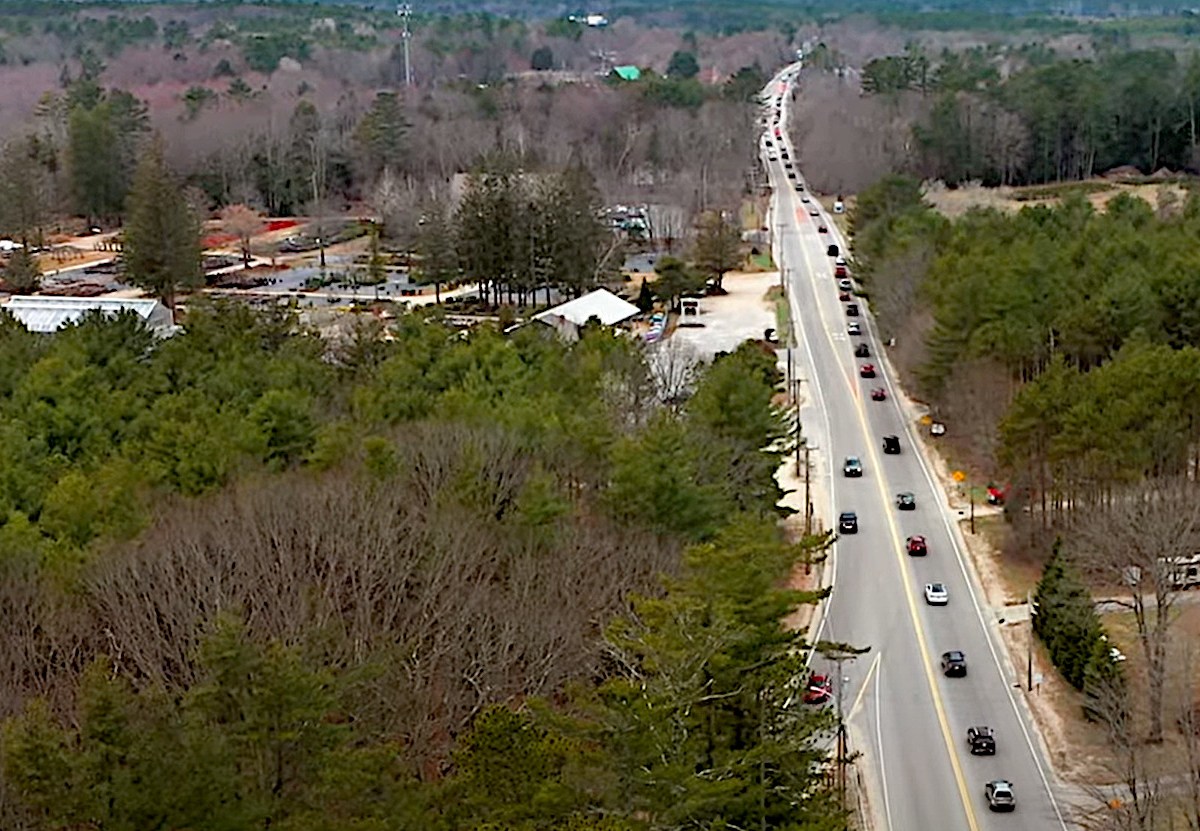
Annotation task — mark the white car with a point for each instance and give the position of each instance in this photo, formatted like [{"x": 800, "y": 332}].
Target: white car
[{"x": 936, "y": 594}]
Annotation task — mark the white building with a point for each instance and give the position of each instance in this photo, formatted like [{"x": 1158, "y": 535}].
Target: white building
[
  {"x": 49, "y": 314},
  {"x": 600, "y": 304}
]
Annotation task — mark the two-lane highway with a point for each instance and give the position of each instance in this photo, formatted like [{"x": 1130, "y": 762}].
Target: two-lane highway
[{"x": 911, "y": 718}]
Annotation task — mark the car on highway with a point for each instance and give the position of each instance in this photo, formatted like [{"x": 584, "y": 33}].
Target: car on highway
[
  {"x": 852, "y": 467},
  {"x": 819, "y": 689},
  {"x": 981, "y": 740},
  {"x": 812, "y": 211},
  {"x": 1000, "y": 796},
  {"x": 832, "y": 250},
  {"x": 839, "y": 260},
  {"x": 848, "y": 522},
  {"x": 799, "y": 186},
  {"x": 891, "y": 445},
  {"x": 954, "y": 664},
  {"x": 844, "y": 296},
  {"x": 852, "y": 310},
  {"x": 862, "y": 351},
  {"x": 906, "y": 501},
  {"x": 772, "y": 158},
  {"x": 879, "y": 394},
  {"x": 936, "y": 594},
  {"x": 867, "y": 370},
  {"x": 916, "y": 546},
  {"x": 791, "y": 174},
  {"x": 821, "y": 229},
  {"x": 854, "y": 328},
  {"x": 845, "y": 285},
  {"x": 804, "y": 199}
]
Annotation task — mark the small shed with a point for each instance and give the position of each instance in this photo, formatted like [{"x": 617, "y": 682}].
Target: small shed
[
  {"x": 627, "y": 73},
  {"x": 601, "y": 304},
  {"x": 48, "y": 314}
]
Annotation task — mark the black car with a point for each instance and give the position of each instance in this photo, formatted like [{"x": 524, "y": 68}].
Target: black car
[
  {"x": 891, "y": 445},
  {"x": 906, "y": 501},
  {"x": 981, "y": 740},
  {"x": 832, "y": 250},
  {"x": 954, "y": 663},
  {"x": 862, "y": 351},
  {"x": 848, "y": 522},
  {"x": 791, "y": 174},
  {"x": 852, "y": 310}
]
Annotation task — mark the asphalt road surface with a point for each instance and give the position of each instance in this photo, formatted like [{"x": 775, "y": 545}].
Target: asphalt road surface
[{"x": 908, "y": 719}]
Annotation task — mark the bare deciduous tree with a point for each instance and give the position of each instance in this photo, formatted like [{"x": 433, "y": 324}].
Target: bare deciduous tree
[
  {"x": 448, "y": 580},
  {"x": 674, "y": 367},
  {"x": 1135, "y": 801},
  {"x": 1134, "y": 543},
  {"x": 243, "y": 222}
]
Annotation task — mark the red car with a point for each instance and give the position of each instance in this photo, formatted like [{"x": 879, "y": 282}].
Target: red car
[
  {"x": 996, "y": 496},
  {"x": 867, "y": 370},
  {"x": 819, "y": 689},
  {"x": 917, "y": 546},
  {"x": 844, "y": 296},
  {"x": 879, "y": 394}
]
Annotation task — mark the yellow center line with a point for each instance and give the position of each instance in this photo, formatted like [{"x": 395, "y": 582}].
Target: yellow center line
[{"x": 922, "y": 645}]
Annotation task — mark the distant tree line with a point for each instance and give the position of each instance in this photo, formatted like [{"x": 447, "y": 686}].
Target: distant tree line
[{"x": 1051, "y": 120}]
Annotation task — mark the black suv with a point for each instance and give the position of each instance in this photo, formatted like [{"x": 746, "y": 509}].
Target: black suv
[
  {"x": 954, "y": 663},
  {"x": 848, "y": 522},
  {"x": 981, "y": 741},
  {"x": 832, "y": 250},
  {"x": 891, "y": 445},
  {"x": 862, "y": 351}
]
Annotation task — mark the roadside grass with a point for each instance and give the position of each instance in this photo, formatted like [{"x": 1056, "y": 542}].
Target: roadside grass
[
  {"x": 762, "y": 262},
  {"x": 783, "y": 315}
]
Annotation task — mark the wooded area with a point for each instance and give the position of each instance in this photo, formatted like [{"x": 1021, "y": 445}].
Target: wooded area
[
  {"x": 245, "y": 574},
  {"x": 1054, "y": 118}
]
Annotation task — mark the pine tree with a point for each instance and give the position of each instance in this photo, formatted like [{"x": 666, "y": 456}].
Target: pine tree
[
  {"x": 23, "y": 274},
  {"x": 162, "y": 234}
]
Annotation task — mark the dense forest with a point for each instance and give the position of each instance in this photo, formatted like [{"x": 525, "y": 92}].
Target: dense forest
[
  {"x": 1062, "y": 341},
  {"x": 247, "y": 572}
]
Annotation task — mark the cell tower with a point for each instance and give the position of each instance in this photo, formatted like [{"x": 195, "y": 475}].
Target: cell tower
[{"x": 404, "y": 11}]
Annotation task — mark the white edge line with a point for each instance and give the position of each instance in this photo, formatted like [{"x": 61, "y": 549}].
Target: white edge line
[
  {"x": 887, "y": 802},
  {"x": 959, "y": 549}
]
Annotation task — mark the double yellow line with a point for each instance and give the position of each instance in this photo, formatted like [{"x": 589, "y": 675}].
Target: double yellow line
[{"x": 922, "y": 644}]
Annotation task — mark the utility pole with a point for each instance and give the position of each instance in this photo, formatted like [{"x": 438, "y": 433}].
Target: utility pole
[
  {"x": 1029, "y": 644},
  {"x": 972, "y": 493},
  {"x": 808, "y": 506},
  {"x": 839, "y": 654},
  {"x": 404, "y": 11}
]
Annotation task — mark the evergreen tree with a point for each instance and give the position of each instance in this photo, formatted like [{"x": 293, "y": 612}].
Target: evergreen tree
[
  {"x": 436, "y": 246},
  {"x": 380, "y": 135},
  {"x": 683, "y": 65},
  {"x": 162, "y": 234},
  {"x": 22, "y": 274}
]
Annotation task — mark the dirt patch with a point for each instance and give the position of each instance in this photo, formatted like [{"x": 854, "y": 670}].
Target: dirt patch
[{"x": 954, "y": 202}]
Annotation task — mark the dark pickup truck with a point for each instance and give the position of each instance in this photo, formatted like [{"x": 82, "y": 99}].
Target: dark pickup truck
[{"x": 982, "y": 741}]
